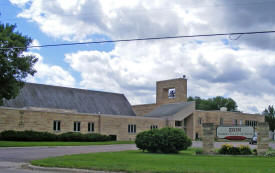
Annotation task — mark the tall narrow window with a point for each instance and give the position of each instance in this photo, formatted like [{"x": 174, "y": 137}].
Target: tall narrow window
[
  {"x": 235, "y": 122},
  {"x": 91, "y": 127},
  {"x": 221, "y": 121},
  {"x": 56, "y": 125},
  {"x": 132, "y": 128},
  {"x": 77, "y": 126},
  {"x": 153, "y": 127},
  {"x": 200, "y": 121},
  {"x": 241, "y": 122}
]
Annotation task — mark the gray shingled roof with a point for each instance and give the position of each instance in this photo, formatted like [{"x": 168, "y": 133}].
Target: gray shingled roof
[
  {"x": 84, "y": 101},
  {"x": 168, "y": 109}
]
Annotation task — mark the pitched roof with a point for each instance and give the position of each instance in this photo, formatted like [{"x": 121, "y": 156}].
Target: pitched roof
[
  {"x": 168, "y": 109},
  {"x": 83, "y": 101}
]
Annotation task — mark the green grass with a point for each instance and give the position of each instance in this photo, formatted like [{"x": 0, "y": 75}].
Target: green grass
[
  {"x": 137, "y": 161},
  {"x": 39, "y": 144}
]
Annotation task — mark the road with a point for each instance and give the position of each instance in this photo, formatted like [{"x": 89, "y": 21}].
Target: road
[{"x": 11, "y": 159}]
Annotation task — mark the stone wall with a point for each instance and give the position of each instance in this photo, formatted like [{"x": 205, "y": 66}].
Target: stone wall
[
  {"x": 263, "y": 138},
  {"x": 20, "y": 119},
  {"x": 162, "y": 88},
  {"x": 228, "y": 118},
  {"x": 180, "y": 86},
  {"x": 208, "y": 138},
  {"x": 141, "y": 110}
]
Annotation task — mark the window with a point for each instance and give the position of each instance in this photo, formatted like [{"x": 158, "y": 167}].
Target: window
[
  {"x": 77, "y": 126},
  {"x": 171, "y": 93},
  {"x": 241, "y": 122},
  {"x": 200, "y": 121},
  {"x": 132, "y": 128},
  {"x": 235, "y": 122},
  {"x": 221, "y": 121},
  {"x": 251, "y": 123},
  {"x": 178, "y": 123},
  {"x": 153, "y": 127},
  {"x": 91, "y": 127},
  {"x": 56, "y": 125}
]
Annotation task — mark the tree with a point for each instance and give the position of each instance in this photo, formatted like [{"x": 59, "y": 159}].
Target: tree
[
  {"x": 269, "y": 114},
  {"x": 14, "y": 65},
  {"x": 214, "y": 103}
]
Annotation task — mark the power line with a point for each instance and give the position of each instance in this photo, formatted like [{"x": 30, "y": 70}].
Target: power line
[{"x": 145, "y": 39}]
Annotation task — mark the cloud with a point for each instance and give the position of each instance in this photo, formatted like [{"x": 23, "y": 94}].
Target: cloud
[
  {"x": 50, "y": 74},
  {"x": 241, "y": 69},
  {"x": 212, "y": 69}
]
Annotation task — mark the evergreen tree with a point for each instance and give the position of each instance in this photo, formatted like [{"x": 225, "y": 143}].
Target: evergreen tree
[{"x": 269, "y": 114}]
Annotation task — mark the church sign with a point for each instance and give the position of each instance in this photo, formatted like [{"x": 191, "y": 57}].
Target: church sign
[{"x": 235, "y": 132}]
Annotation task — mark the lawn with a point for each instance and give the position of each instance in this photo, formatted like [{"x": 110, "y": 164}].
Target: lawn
[
  {"x": 39, "y": 144},
  {"x": 137, "y": 161}
]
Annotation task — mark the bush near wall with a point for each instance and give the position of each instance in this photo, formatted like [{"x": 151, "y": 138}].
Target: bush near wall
[
  {"x": 29, "y": 135},
  {"x": 231, "y": 150},
  {"x": 165, "y": 140}
]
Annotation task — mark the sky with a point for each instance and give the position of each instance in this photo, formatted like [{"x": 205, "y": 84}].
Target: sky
[{"x": 240, "y": 68}]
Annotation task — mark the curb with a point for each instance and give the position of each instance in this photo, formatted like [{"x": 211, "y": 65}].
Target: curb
[{"x": 67, "y": 170}]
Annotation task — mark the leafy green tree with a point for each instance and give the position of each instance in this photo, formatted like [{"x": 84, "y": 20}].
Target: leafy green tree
[
  {"x": 269, "y": 114},
  {"x": 14, "y": 65},
  {"x": 214, "y": 103}
]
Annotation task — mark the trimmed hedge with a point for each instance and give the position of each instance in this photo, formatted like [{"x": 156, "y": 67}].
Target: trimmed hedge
[
  {"x": 29, "y": 135},
  {"x": 165, "y": 140},
  {"x": 231, "y": 150}
]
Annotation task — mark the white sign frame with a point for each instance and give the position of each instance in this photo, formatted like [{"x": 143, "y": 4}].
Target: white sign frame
[{"x": 234, "y": 131}]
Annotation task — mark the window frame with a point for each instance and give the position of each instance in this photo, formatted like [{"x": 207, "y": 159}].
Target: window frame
[
  {"x": 91, "y": 127},
  {"x": 132, "y": 128},
  {"x": 153, "y": 127},
  {"x": 57, "y": 125},
  {"x": 221, "y": 121},
  {"x": 77, "y": 126}
]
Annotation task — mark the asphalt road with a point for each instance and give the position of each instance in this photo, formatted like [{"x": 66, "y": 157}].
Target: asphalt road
[{"x": 11, "y": 159}]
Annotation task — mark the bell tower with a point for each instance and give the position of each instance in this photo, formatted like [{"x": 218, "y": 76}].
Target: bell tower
[{"x": 171, "y": 91}]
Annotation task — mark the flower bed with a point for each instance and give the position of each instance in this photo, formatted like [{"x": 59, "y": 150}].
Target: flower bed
[{"x": 229, "y": 149}]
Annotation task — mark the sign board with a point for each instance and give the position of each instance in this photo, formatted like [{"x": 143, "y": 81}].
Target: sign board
[{"x": 235, "y": 132}]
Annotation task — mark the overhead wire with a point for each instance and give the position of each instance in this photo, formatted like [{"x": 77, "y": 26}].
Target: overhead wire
[{"x": 238, "y": 34}]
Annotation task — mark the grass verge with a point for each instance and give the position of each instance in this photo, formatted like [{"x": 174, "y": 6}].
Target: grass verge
[
  {"x": 186, "y": 161},
  {"x": 39, "y": 144}
]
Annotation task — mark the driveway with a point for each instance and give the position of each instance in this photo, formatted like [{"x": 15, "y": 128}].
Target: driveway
[{"x": 11, "y": 159}]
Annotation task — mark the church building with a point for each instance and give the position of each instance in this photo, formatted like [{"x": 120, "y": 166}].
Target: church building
[{"x": 60, "y": 109}]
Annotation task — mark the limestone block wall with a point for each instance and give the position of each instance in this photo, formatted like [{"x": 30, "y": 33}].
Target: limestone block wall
[
  {"x": 180, "y": 86},
  {"x": 263, "y": 139},
  {"x": 143, "y": 109},
  {"x": 118, "y": 125},
  {"x": 228, "y": 119},
  {"x": 16, "y": 119},
  {"x": 20, "y": 119},
  {"x": 189, "y": 126}
]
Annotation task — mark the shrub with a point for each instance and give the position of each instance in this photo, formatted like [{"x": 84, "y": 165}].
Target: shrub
[
  {"x": 165, "y": 140},
  {"x": 270, "y": 153},
  {"x": 198, "y": 151},
  {"x": 255, "y": 151},
  {"x": 231, "y": 150},
  {"x": 30, "y": 135},
  {"x": 245, "y": 150}
]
